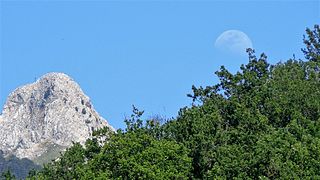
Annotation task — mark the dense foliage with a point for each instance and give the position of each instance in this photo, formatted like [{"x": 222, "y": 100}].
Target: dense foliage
[
  {"x": 134, "y": 154},
  {"x": 262, "y": 122}
]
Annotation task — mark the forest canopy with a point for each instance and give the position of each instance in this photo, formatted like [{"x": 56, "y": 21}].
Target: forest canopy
[{"x": 262, "y": 122}]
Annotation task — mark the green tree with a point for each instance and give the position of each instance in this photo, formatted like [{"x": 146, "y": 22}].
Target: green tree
[
  {"x": 7, "y": 175},
  {"x": 262, "y": 122},
  {"x": 312, "y": 42}
]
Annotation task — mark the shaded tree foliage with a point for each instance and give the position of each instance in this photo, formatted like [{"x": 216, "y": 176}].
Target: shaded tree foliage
[{"x": 6, "y": 175}]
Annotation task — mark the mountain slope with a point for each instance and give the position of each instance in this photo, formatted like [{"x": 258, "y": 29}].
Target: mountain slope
[{"x": 41, "y": 119}]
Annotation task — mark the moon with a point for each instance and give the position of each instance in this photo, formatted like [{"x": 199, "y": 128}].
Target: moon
[{"x": 233, "y": 41}]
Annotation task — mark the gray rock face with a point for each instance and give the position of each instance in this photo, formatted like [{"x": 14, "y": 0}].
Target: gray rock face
[{"x": 51, "y": 112}]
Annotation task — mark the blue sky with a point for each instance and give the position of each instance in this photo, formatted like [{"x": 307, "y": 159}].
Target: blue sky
[{"x": 146, "y": 53}]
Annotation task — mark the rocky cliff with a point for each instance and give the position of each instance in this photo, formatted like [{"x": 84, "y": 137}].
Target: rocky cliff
[{"x": 41, "y": 119}]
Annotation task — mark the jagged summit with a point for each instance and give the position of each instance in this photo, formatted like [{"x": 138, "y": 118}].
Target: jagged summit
[
  {"x": 54, "y": 75},
  {"x": 46, "y": 116},
  {"x": 57, "y": 78},
  {"x": 47, "y": 82}
]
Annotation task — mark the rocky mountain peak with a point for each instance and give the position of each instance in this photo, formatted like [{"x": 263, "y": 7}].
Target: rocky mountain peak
[{"x": 46, "y": 116}]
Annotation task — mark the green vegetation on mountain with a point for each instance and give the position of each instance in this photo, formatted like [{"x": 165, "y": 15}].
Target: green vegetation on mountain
[
  {"x": 12, "y": 166},
  {"x": 262, "y": 122}
]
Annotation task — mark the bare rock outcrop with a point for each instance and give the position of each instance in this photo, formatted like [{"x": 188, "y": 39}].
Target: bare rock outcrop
[{"x": 50, "y": 113}]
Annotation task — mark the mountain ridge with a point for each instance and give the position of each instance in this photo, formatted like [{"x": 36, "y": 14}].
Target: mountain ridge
[{"x": 50, "y": 113}]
